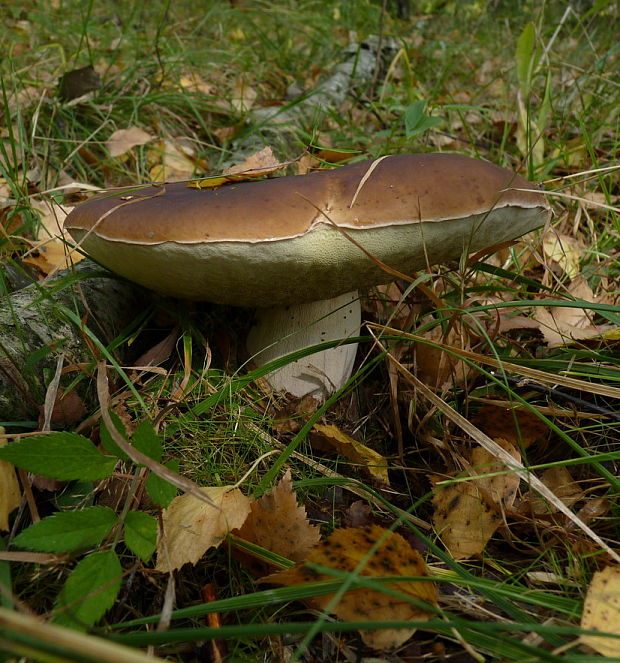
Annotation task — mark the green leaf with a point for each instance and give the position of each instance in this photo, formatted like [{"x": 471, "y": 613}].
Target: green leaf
[
  {"x": 64, "y": 456},
  {"x": 68, "y": 531},
  {"x": 526, "y": 57},
  {"x": 416, "y": 120},
  {"x": 106, "y": 439},
  {"x": 90, "y": 590},
  {"x": 158, "y": 489},
  {"x": 146, "y": 440},
  {"x": 141, "y": 534},
  {"x": 6, "y": 597}
]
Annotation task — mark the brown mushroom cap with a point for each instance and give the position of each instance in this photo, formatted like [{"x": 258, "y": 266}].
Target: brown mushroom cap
[{"x": 271, "y": 243}]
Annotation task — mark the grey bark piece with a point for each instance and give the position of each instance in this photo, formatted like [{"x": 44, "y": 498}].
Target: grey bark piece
[
  {"x": 34, "y": 331},
  {"x": 278, "y": 128}
]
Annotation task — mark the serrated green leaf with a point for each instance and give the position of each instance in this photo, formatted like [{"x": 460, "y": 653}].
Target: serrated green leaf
[
  {"x": 158, "y": 489},
  {"x": 90, "y": 590},
  {"x": 68, "y": 531},
  {"x": 146, "y": 440},
  {"x": 65, "y": 456},
  {"x": 141, "y": 534}
]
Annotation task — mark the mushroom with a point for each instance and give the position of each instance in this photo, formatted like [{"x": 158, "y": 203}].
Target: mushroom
[{"x": 288, "y": 244}]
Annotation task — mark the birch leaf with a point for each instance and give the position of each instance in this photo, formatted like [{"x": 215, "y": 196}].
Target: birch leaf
[{"x": 192, "y": 526}]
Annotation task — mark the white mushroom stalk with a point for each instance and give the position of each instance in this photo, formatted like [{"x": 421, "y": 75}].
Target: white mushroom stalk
[
  {"x": 287, "y": 241},
  {"x": 281, "y": 331}
]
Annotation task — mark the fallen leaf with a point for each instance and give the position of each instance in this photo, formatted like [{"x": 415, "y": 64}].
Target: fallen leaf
[
  {"x": 359, "y": 514},
  {"x": 10, "y": 495},
  {"x": 521, "y": 428},
  {"x": 193, "y": 83},
  {"x": 564, "y": 250},
  {"x": 561, "y": 484},
  {"x": 174, "y": 160},
  {"x": 331, "y": 438},
  {"x": 224, "y": 134},
  {"x": 467, "y": 513},
  {"x": 566, "y": 324},
  {"x": 123, "y": 140},
  {"x": 258, "y": 164},
  {"x": 595, "y": 507},
  {"x": 601, "y": 612},
  {"x": 277, "y": 523},
  {"x": 243, "y": 97},
  {"x": 350, "y": 549},
  {"x": 191, "y": 526},
  {"x": 434, "y": 366},
  {"x": 48, "y": 251}
]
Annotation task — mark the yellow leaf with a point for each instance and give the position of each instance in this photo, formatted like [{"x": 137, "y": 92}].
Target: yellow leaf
[
  {"x": 192, "y": 526},
  {"x": 10, "y": 495},
  {"x": 48, "y": 251},
  {"x": 348, "y": 549},
  {"x": 333, "y": 438},
  {"x": 601, "y": 611},
  {"x": 563, "y": 250},
  {"x": 467, "y": 513}
]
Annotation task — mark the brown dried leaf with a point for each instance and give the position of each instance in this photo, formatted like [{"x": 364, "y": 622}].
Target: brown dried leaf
[
  {"x": 434, "y": 366},
  {"x": 258, "y": 164},
  {"x": 277, "y": 523},
  {"x": 348, "y": 549},
  {"x": 601, "y": 612},
  {"x": 519, "y": 427},
  {"x": 192, "y": 526},
  {"x": 467, "y": 513},
  {"x": 563, "y": 325},
  {"x": 10, "y": 495},
  {"x": 562, "y": 484},
  {"x": 123, "y": 140},
  {"x": 333, "y": 439},
  {"x": 359, "y": 514}
]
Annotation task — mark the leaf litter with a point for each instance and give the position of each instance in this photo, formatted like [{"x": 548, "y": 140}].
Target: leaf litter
[{"x": 375, "y": 552}]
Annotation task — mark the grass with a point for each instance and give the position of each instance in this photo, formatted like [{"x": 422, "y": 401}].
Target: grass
[{"x": 531, "y": 87}]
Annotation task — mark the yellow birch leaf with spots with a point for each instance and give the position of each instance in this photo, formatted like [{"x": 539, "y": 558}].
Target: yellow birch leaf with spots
[
  {"x": 601, "y": 612},
  {"x": 468, "y": 512},
  {"x": 370, "y": 551}
]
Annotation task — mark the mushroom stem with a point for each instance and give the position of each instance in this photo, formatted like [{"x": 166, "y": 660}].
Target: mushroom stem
[{"x": 280, "y": 331}]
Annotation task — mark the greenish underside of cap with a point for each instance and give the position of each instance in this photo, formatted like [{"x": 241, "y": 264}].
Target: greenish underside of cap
[{"x": 319, "y": 264}]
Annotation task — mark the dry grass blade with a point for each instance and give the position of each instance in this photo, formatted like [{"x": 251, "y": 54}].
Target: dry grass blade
[
  {"x": 365, "y": 179},
  {"x": 507, "y": 367},
  {"x": 493, "y": 448},
  {"x": 79, "y": 644},
  {"x": 583, "y": 201}
]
